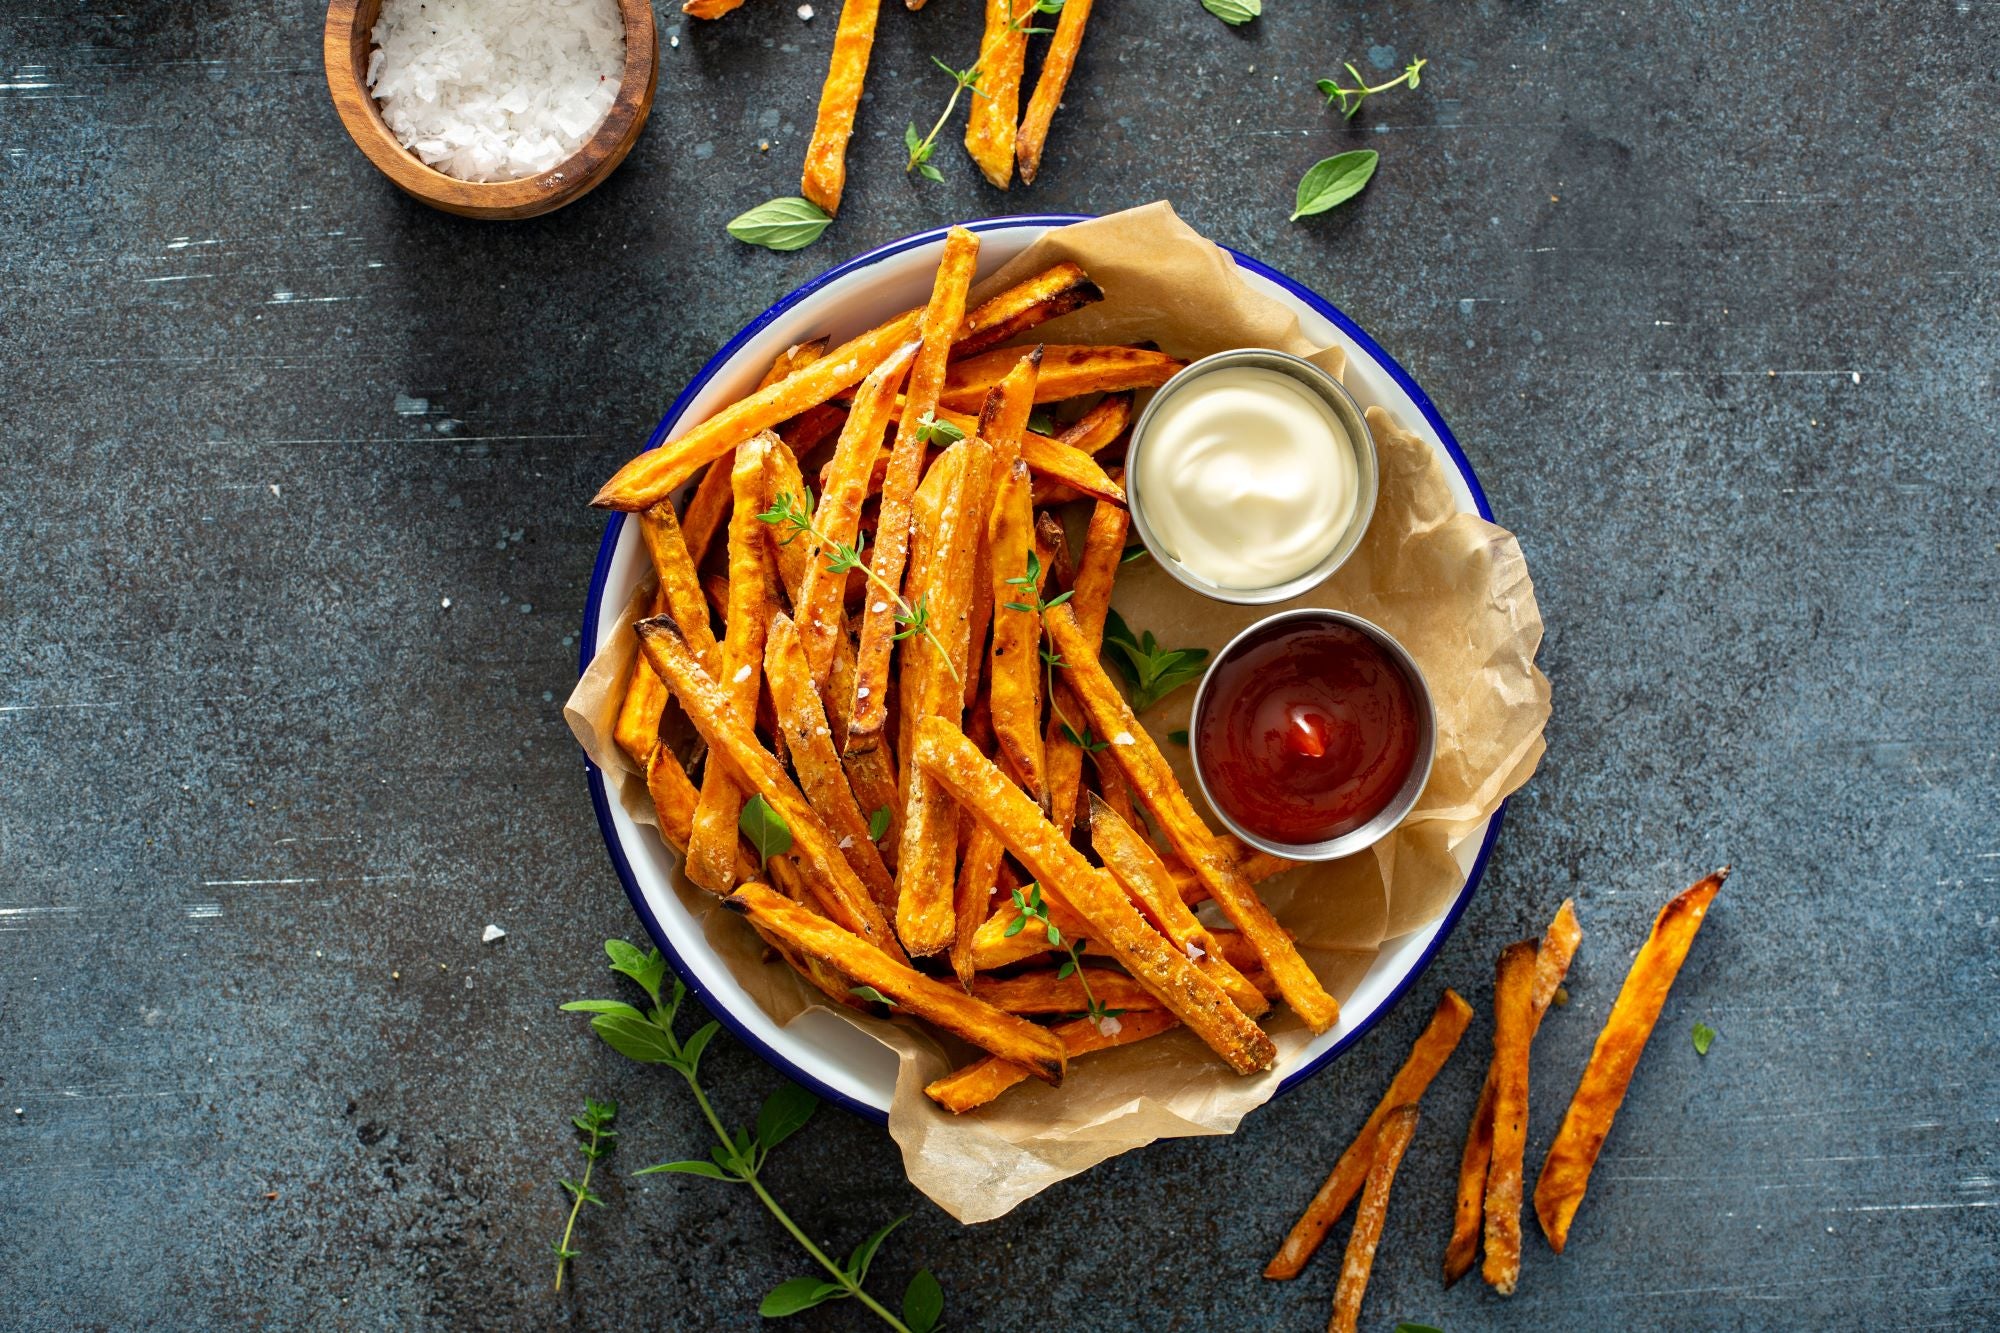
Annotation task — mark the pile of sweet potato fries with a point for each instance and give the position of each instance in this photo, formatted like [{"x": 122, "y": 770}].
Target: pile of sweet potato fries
[
  {"x": 899, "y": 670},
  {"x": 999, "y": 135}
]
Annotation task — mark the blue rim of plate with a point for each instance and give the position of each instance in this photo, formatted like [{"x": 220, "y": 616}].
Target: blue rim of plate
[{"x": 600, "y": 798}]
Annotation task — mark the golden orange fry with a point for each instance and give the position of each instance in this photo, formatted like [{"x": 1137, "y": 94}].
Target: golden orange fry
[
  {"x": 978, "y": 1083},
  {"x": 1050, "y": 294},
  {"x": 1066, "y": 372},
  {"x": 1587, "y": 1123},
  {"x": 1096, "y": 571},
  {"x": 1513, "y": 991},
  {"x": 1043, "y": 992},
  {"x": 825, "y": 173},
  {"x": 996, "y": 104},
  {"x": 1057, "y": 62},
  {"x": 1390, "y": 1145}
]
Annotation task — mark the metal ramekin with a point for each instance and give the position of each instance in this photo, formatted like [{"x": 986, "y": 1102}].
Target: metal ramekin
[
  {"x": 1345, "y": 410},
  {"x": 1405, "y": 800}
]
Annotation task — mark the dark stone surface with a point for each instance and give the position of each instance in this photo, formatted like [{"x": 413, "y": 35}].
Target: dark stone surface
[{"x": 1708, "y": 294}]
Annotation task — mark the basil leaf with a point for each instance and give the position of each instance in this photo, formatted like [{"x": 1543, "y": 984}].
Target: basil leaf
[
  {"x": 788, "y": 223},
  {"x": 799, "y": 1293},
  {"x": 1704, "y": 1035},
  {"x": 923, "y": 1302},
  {"x": 1334, "y": 181},
  {"x": 872, "y": 995},
  {"x": 784, "y": 1114},
  {"x": 766, "y": 828},
  {"x": 878, "y": 824},
  {"x": 709, "y": 1169},
  {"x": 1234, "y": 12}
]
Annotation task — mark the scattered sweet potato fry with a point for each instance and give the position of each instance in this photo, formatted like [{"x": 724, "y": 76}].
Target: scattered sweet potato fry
[
  {"x": 1050, "y": 294},
  {"x": 1057, "y": 62},
  {"x": 1513, "y": 990},
  {"x": 1155, "y": 785},
  {"x": 928, "y": 853},
  {"x": 940, "y": 321},
  {"x": 973, "y": 780},
  {"x": 1066, "y": 372},
  {"x": 1036, "y": 1050},
  {"x": 711, "y": 859},
  {"x": 833, "y": 882},
  {"x": 978, "y": 1083},
  {"x": 1043, "y": 992},
  {"x": 1003, "y": 57},
  {"x": 1587, "y": 1123},
  {"x": 1390, "y": 1145},
  {"x": 1552, "y": 961},
  {"x": 1427, "y": 1056},
  {"x": 825, "y": 175},
  {"x": 709, "y": 9},
  {"x": 814, "y": 760}
]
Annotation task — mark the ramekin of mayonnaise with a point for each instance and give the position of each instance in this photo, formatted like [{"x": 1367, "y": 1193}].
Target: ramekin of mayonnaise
[{"x": 1251, "y": 476}]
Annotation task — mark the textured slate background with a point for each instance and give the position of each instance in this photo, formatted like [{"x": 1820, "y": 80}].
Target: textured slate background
[{"x": 1708, "y": 293}]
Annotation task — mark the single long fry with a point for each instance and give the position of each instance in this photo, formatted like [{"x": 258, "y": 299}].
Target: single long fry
[
  {"x": 979, "y": 786},
  {"x": 1092, "y": 433},
  {"x": 711, "y": 859},
  {"x": 1036, "y": 1050},
  {"x": 1155, "y": 785},
  {"x": 837, "y": 518},
  {"x": 928, "y": 853},
  {"x": 1390, "y": 1145},
  {"x": 1016, "y": 665},
  {"x": 1057, "y": 62},
  {"x": 1513, "y": 991},
  {"x": 709, "y": 9},
  {"x": 978, "y": 1083},
  {"x": 1043, "y": 992},
  {"x": 1067, "y": 372},
  {"x": 1003, "y": 57},
  {"x": 1432, "y": 1048},
  {"x": 993, "y": 947},
  {"x": 637, "y": 728},
  {"x": 833, "y": 882},
  {"x": 1587, "y": 1123},
  {"x": 1552, "y": 961},
  {"x": 941, "y": 319},
  {"x": 1002, "y": 421},
  {"x": 1050, "y": 294},
  {"x": 1103, "y": 552},
  {"x": 1053, "y": 460},
  {"x": 978, "y": 882},
  {"x": 680, "y": 586},
  {"x": 814, "y": 760},
  {"x": 825, "y": 173},
  {"x": 791, "y": 556},
  {"x": 709, "y": 505},
  {"x": 1134, "y": 864}
]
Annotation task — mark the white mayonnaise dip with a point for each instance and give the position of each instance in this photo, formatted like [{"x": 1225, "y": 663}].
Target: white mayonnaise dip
[{"x": 1247, "y": 478}]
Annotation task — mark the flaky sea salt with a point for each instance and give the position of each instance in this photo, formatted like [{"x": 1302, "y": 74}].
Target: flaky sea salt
[{"x": 492, "y": 90}]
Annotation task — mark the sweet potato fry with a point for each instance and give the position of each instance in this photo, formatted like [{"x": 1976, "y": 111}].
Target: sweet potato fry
[
  {"x": 1036, "y": 1050},
  {"x": 1002, "y": 421},
  {"x": 1552, "y": 961},
  {"x": 1390, "y": 1145},
  {"x": 928, "y": 853},
  {"x": 899, "y": 488},
  {"x": 791, "y": 555},
  {"x": 1431, "y": 1049},
  {"x": 709, "y": 504},
  {"x": 1016, "y": 664},
  {"x": 973, "y": 780},
  {"x": 1513, "y": 989},
  {"x": 993, "y": 947},
  {"x": 1003, "y": 58},
  {"x": 972, "y": 897},
  {"x": 826, "y": 156},
  {"x": 637, "y": 728},
  {"x": 1050, "y": 294},
  {"x": 1057, "y": 62},
  {"x": 1155, "y": 785},
  {"x": 1103, "y": 550},
  {"x": 1043, "y": 992},
  {"x": 1067, "y": 372},
  {"x": 978, "y": 1083},
  {"x": 1254, "y": 866},
  {"x": 837, "y": 519},
  {"x": 814, "y": 760},
  {"x": 1092, "y": 434},
  {"x": 711, "y": 859},
  {"x": 680, "y": 586},
  {"x": 1134, "y": 864},
  {"x": 1587, "y": 1123},
  {"x": 833, "y": 882},
  {"x": 709, "y": 9}
]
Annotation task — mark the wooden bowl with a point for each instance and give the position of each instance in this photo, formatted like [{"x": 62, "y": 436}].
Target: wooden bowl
[{"x": 349, "y": 24}]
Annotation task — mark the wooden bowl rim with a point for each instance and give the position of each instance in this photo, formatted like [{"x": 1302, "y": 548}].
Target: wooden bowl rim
[{"x": 525, "y": 195}]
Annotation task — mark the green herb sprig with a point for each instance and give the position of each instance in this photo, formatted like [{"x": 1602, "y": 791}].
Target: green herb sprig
[
  {"x": 594, "y": 1127},
  {"x": 921, "y": 148},
  {"x": 1151, "y": 671},
  {"x": 795, "y": 516},
  {"x": 1028, "y": 906},
  {"x": 1350, "y": 99},
  {"x": 647, "y": 1036}
]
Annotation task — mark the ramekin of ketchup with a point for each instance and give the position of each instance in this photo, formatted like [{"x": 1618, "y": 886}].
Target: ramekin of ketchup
[{"x": 1313, "y": 734}]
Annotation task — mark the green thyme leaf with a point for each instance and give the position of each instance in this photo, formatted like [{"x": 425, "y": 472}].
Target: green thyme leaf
[
  {"x": 787, "y": 223},
  {"x": 1417, "y": 1328},
  {"x": 766, "y": 828},
  {"x": 1151, "y": 672},
  {"x": 1703, "y": 1036},
  {"x": 1136, "y": 551},
  {"x": 872, "y": 995},
  {"x": 1334, "y": 181},
  {"x": 635, "y": 1039},
  {"x": 1042, "y": 423},
  {"x": 878, "y": 824},
  {"x": 1234, "y": 12},
  {"x": 937, "y": 433}
]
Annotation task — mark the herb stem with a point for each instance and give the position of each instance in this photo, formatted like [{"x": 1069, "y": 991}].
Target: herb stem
[{"x": 569, "y": 1228}]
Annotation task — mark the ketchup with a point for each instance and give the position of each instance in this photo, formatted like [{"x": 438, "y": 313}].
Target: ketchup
[{"x": 1307, "y": 731}]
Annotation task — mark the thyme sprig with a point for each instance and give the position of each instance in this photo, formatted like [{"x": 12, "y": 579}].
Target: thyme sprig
[
  {"x": 594, "y": 1125},
  {"x": 922, "y": 148},
  {"x": 1028, "y": 906},
  {"x": 1350, "y": 99}
]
